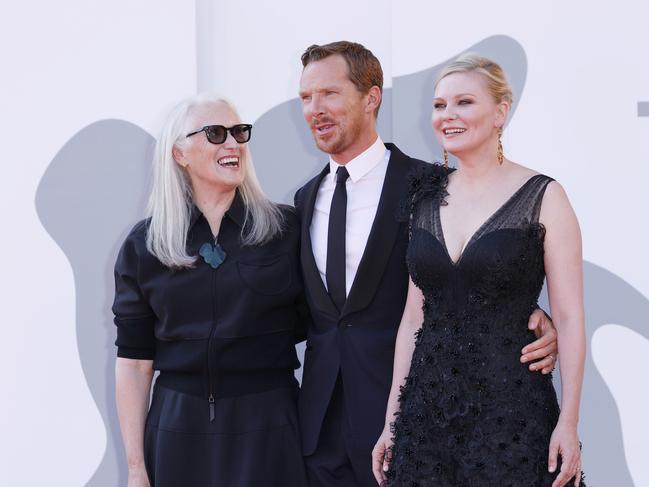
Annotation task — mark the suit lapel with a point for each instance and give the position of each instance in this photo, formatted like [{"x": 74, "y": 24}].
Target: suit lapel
[
  {"x": 383, "y": 234},
  {"x": 312, "y": 278}
]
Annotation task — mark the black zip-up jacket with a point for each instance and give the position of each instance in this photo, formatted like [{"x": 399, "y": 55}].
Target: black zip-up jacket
[{"x": 214, "y": 332}]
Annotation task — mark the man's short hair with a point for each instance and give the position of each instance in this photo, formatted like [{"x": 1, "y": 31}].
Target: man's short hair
[{"x": 364, "y": 68}]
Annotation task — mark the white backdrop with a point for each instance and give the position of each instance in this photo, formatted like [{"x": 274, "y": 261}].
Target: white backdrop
[{"x": 70, "y": 64}]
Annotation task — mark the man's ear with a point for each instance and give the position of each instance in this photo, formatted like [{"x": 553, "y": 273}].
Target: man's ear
[
  {"x": 178, "y": 156},
  {"x": 373, "y": 99}
]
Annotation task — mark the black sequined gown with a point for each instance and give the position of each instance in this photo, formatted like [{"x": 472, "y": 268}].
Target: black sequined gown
[{"x": 471, "y": 414}]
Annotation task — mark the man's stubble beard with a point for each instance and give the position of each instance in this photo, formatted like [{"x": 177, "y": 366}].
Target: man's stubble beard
[{"x": 343, "y": 140}]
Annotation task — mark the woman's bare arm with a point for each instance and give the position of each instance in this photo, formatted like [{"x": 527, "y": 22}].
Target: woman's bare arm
[
  {"x": 563, "y": 266},
  {"x": 411, "y": 321},
  {"x": 132, "y": 386}
]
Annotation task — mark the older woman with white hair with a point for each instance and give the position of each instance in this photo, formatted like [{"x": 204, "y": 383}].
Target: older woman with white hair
[{"x": 209, "y": 293}]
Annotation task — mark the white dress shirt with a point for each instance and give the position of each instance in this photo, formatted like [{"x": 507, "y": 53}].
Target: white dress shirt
[{"x": 364, "y": 185}]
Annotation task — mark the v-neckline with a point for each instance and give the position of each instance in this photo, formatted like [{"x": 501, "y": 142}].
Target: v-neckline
[{"x": 489, "y": 219}]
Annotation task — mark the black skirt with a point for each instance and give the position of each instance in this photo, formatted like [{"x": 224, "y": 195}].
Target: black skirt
[{"x": 253, "y": 440}]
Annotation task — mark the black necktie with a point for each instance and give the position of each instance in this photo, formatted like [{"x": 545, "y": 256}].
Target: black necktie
[{"x": 336, "y": 241}]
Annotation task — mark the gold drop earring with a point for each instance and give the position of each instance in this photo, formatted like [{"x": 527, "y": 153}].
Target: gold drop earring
[
  {"x": 445, "y": 159},
  {"x": 501, "y": 157}
]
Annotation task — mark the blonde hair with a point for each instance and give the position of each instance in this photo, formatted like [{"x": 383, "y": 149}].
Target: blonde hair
[
  {"x": 170, "y": 202},
  {"x": 497, "y": 83}
]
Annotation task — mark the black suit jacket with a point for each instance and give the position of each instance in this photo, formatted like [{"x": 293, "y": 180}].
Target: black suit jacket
[{"x": 359, "y": 341}]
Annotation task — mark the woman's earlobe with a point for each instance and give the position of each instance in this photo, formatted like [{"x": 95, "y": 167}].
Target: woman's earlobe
[{"x": 177, "y": 154}]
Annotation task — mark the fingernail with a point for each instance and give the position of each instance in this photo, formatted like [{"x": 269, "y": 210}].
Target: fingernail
[
  {"x": 532, "y": 367},
  {"x": 523, "y": 359},
  {"x": 551, "y": 469}
]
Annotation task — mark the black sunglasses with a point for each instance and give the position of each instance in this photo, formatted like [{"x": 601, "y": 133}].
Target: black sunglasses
[{"x": 217, "y": 134}]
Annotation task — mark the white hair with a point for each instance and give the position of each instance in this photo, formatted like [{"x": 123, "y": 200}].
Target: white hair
[{"x": 170, "y": 202}]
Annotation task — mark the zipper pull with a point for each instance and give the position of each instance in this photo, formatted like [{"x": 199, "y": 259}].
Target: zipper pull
[{"x": 211, "y": 401}]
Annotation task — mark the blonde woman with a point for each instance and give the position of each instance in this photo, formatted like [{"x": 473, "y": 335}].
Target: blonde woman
[
  {"x": 463, "y": 408},
  {"x": 208, "y": 292}
]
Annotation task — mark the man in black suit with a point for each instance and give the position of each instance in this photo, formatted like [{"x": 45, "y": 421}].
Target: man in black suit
[{"x": 353, "y": 261}]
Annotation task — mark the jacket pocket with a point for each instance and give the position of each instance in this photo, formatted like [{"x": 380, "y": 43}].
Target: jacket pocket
[{"x": 270, "y": 277}]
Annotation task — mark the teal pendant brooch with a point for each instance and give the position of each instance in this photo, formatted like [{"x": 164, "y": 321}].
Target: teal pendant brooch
[{"x": 214, "y": 255}]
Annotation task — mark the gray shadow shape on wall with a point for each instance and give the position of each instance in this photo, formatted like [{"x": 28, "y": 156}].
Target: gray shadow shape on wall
[
  {"x": 95, "y": 188},
  {"x": 607, "y": 299},
  {"x": 92, "y": 191}
]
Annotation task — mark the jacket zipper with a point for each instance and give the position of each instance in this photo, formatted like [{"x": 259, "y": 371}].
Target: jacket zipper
[{"x": 210, "y": 390}]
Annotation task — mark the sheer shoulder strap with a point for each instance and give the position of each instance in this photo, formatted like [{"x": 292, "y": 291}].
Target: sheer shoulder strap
[
  {"x": 426, "y": 188},
  {"x": 527, "y": 204},
  {"x": 520, "y": 211},
  {"x": 523, "y": 208}
]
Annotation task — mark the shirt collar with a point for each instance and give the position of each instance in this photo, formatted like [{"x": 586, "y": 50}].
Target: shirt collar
[
  {"x": 363, "y": 163},
  {"x": 236, "y": 212}
]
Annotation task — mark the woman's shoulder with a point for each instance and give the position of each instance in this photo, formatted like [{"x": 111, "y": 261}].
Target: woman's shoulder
[
  {"x": 428, "y": 180},
  {"x": 135, "y": 240},
  {"x": 555, "y": 198},
  {"x": 139, "y": 230},
  {"x": 542, "y": 190},
  {"x": 289, "y": 215},
  {"x": 133, "y": 247},
  {"x": 523, "y": 174},
  {"x": 290, "y": 222},
  {"x": 425, "y": 182}
]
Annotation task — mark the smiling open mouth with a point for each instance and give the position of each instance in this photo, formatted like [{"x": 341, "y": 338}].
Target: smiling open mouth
[
  {"x": 454, "y": 131},
  {"x": 229, "y": 161},
  {"x": 324, "y": 128}
]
